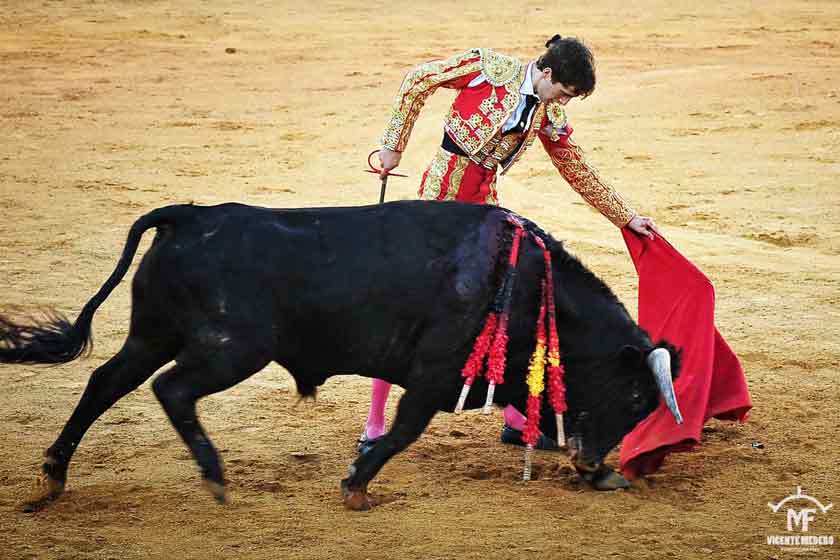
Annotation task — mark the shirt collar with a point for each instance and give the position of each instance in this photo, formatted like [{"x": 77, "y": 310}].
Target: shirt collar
[{"x": 527, "y": 87}]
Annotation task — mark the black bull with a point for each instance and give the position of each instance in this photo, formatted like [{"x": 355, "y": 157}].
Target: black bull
[{"x": 398, "y": 291}]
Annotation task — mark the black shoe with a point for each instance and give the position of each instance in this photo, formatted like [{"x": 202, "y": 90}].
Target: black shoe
[
  {"x": 364, "y": 444},
  {"x": 512, "y": 436}
]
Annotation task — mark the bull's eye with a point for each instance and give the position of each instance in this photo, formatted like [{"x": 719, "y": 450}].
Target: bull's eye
[{"x": 638, "y": 400}]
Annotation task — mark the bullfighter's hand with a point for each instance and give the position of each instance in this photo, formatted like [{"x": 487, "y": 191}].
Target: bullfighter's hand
[
  {"x": 643, "y": 226},
  {"x": 389, "y": 160}
]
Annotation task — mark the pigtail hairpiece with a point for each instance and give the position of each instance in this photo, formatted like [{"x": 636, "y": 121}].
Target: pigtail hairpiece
[{"x": 552, "y": 41}]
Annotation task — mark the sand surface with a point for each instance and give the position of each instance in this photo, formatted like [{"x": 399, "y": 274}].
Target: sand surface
[{"x": 721, "y": 120}]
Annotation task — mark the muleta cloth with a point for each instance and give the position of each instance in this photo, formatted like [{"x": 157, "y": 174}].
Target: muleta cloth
[{"x": 677, "y": 303}]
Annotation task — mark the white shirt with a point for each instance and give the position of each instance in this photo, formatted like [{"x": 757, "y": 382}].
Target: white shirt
[{"x": 527, "y": 88}]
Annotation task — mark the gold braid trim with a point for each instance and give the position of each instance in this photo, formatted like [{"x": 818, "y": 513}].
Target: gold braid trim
[
  {"x": 492, "y": 196},
  {"x": 533, "y": 129},
  {"x": 418, "y": 85},
  {"x": 456, "y": 177},
  {"x": 433, "y": 178},
  {"x": 500, "y": 69},
  {"x": 557, "y": 118},
  {"x": 584, "y": 179},
  {"x": 477, "y": 134}
]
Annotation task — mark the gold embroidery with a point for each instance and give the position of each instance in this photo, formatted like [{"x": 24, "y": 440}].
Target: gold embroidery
[
  {"x": 473, "y": 134},
  {"x": 557, "y": 120},
  {"x": 436, "y": 174},
  {"x": 484, "y": 157},
  {"x": 511, "y": 100},
  {"x": 459, "y": 130},
  {"x": 430, "y": 189},
  {"x": 508, "y": 145},
  {"x": 486, "y": 129},
  {"x": 456, "y": 177},
  {"x": 469, "y": 134},
  {"x": 487, "y": 105},
  {"x": 536, "y": 120},
  {"x": 556, "y": 114},
  {"x": 498, "y": 115},
  {"x": 585, "y": 180},
  {"x": 492, "y": 196},
  {"x": 497, "y": 149},
  {"x": 500, "y": 69},
  {"x": 475, "y": 120},
  {"x": 417, "y": 86}
]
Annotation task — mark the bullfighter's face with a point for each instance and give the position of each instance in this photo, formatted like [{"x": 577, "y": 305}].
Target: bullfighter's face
[{"x": 547, "y": 90}]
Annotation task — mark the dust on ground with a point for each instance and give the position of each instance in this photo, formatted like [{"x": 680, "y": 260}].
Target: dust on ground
[{"x": 719, "y": 119}]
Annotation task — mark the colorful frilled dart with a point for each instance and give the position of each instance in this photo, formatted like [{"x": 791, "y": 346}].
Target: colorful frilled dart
[
  {"x": 556, "y": 389},
  {"x": 476, "y": 360},
  {"x": 497, "y": 358},
  {"x": 491, "y": 345},
  {"x": 536, "y": 385},
  {"x": 481, "y": 348}
]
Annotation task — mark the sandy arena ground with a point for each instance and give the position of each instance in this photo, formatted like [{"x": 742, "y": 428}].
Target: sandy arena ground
[{"x": 721, "y": 120}]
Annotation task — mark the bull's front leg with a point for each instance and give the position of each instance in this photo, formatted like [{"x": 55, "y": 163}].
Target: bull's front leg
[{"x": 414, "y": 412}]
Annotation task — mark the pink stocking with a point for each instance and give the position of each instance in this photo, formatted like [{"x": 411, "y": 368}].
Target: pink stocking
[
  {"x": 375, "y": 425},
  {"x": 514, "y": 418}
]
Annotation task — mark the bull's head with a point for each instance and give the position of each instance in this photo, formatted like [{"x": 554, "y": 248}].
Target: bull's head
[{"x": 609, "y": 398}]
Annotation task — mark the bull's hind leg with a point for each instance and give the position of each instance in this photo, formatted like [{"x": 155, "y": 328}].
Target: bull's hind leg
[
  {"x": 414, "y": 412},
  {"x": 201, "y": 372},
  {"x": 127, "y": 370}
]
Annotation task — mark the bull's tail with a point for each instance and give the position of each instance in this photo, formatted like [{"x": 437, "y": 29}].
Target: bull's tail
[{"x": 54, "y": 340}]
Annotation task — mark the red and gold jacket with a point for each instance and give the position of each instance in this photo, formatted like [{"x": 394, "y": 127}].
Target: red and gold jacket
[{"x": 476, "y": 117}]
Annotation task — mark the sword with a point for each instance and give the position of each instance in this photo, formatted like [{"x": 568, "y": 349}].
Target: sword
[
  {"x": 382, "y": 190},
  {"x": 384, "y": 178}
]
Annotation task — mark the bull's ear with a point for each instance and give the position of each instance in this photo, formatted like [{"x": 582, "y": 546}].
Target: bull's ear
[{"x": 631, "y": 356}]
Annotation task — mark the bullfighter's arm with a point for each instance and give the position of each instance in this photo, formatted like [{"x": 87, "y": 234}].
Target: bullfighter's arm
[
  {"x": 569, "y": 159},
  {"x": 419, "y": 84}
]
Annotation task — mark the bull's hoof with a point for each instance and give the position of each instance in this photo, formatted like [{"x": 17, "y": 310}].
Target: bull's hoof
[
  {"x": 46, "y": 490},
  {"x": 355, "y": 499},
  {"x": 218, "y": 491},
  {"x": 607, "y": 479}
]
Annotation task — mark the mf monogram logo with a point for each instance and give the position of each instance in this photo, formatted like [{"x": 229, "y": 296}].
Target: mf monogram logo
[{"x": 799, "y": 521}]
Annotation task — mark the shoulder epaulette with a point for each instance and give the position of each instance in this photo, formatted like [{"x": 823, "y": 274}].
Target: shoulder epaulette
[
  {"x": 500, "y": 69},
  {"x": 556, "y": 114}
]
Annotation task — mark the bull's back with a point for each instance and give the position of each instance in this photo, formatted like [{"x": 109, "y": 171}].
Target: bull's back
[
  {"x": 325, "y": 252},
  {"x": 344, "y": 275}
]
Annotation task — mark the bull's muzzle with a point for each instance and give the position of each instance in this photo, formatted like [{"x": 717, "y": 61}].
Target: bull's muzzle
[
  {"x": 596, "y": 473},
  {"x": 659, "y": 362}
]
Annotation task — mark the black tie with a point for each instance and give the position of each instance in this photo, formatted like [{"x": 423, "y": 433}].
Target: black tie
[{"x": 530, "y": 102}]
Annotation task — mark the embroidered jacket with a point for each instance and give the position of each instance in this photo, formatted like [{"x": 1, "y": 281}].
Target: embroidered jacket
[{"x": 476, "y": 117}]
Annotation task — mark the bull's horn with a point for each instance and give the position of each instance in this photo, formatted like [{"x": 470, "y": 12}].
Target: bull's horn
[{"x": 659, "y": 362}]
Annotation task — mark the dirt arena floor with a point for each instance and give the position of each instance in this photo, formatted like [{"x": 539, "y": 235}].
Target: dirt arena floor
[{"x": 721, "y": 120}]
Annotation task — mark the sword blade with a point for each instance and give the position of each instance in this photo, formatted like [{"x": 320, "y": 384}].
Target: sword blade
[{"x": 382, "y": 191}]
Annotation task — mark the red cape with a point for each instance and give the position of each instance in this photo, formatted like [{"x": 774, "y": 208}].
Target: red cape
[{"x": 677, "y": 303}]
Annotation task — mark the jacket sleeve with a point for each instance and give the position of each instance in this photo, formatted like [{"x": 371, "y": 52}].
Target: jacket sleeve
[
  {"x": 569, "y": 160},
  {"x": 419, "y": 84}
]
